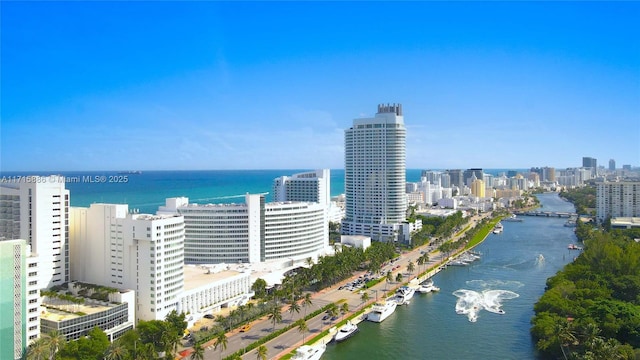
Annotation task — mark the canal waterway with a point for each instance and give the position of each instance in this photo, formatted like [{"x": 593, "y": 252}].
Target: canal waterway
[{"x": 511, "y": 276}]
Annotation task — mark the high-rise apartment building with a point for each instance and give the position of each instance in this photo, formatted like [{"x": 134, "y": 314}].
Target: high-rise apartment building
[
  {"x": 617, "y": 199},
  {"x": 477, "y": 188},
  {"x": 375, "y": 175},
  {"x": 612, "y": 165},
  {"x": 591, "y": 163},
  {"x": 470, "y": 173},
  {"x": 312, "y": 186},
  {"x": 456, "y": 178},
  {"x": 112, "y": 247},
  {"x": 36, "y": 209},
  {"x": 19, "y": 316}
]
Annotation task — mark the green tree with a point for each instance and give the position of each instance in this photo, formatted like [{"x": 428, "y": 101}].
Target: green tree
[
  {"x": 146, "y": 351},
  {"x": 388, "y": 279},
  {"x": 38, "y": 350},
  {"x": 117, "y": 351},
  {"x": 261, "y": 353},
  {"x": 222, "y": 341},
  {"x": 198, "y": 352},
  {"x": 344, "y": 308},
  {"x": 54, "y": 341},
  {"x": 302, "y": 327},
  {"x": 275, "y": 314},
  {"x": 306, "y": 302},
  {"x": 399, "y": 277},
  {"x": 411, "y": 267},
  {"x": 177, "y": 321},
  {"x": 260, "y": 288},
  {"x": 364, "y": 297},
  {"x": 294, "y": 307}
]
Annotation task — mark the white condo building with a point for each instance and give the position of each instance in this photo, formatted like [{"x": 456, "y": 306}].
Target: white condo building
[
  {"x": 312, "y": 186},
  {"x": 36, "y": 209},
  {"x": 141, "y": 252},
  {"x": 252, "y": 232},
  {"x": 19, "y": 309},
  {"x": 617, "y": 199},
  {"x": 375, "y": 176}
]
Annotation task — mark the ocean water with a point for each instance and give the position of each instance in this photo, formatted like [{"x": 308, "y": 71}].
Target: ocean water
[
  {"x": 148, "y": 190},
  {"x": 510, "y": 275}
]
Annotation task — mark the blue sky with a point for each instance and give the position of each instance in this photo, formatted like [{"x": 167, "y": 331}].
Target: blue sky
[{"x": 273, "y": 85}]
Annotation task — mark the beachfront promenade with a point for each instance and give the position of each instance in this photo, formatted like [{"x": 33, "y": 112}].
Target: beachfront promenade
[{"x": 292, "y": 339}]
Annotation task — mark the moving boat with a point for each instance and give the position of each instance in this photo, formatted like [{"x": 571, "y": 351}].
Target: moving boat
[
  {"x": 381, "y": 311},
  {"x": 309, "y": 352},
  {"x": 512, "y": 218},
  {"x": 345, "y": 332}
]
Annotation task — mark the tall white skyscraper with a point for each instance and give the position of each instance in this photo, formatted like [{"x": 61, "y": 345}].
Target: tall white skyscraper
[
  {"x": 375, "y": 175},
  {"x": 36, "y": 209}
]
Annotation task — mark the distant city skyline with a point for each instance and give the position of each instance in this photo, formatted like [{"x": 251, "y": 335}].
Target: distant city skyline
[{"x": 274, "y": 85}]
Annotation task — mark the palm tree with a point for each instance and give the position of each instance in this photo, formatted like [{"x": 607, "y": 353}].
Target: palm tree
[
  {"x": 261, "y": 353},
  {"x": 54, "y": 341},
  {"x": 333, "y": 310},
  {"x": 302, "y": 327},
  {"x": 294, "y": 307},
  {"x": 399, "y": 277},
  {"x": 242, "y": 309},
  {"x": 146, "y": 352},
  {"x": 198, "y": 353},
  {"x": 411, "y": 267},
  {"x": 345, "y": 308},
  {"x": 117, "y": 351},
  {"x": 306, "y": 302},
  {"x": 420, "y": 262},
  {"x": 170, "y": 341},
  {"x": 364, "y": 297},
  {"x": 38, "y": 350},
  {"x": 388, "y": 279},
  {"x": 222, "y": 341},
  {"x": 275, "y": 315}
]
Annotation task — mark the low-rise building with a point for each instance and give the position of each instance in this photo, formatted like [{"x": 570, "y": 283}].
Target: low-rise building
[
  {"x": 74, "y": 316},
  {"x": 207, "y": 289}
]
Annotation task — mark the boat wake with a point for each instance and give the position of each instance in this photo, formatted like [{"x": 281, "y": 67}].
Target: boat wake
[{"x": 471, "y": 302}]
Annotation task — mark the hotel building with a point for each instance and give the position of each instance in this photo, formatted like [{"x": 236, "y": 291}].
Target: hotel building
[
  {"x": 252, "y": 232},
  {"x": 19, "y": 309},
  {"x": 36, "y": 209},
  {"x": 375, "y": 176},
  {"x": 112, "y": 247}
]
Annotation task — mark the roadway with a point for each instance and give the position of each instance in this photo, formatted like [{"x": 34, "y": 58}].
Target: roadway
[{"x": 292, "y": 339}]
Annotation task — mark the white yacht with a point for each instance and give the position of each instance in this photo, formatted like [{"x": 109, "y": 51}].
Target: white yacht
[
  {"x": 427, "y": 287},
  {"x": 348, "y": 330},
  {"x": 309, "y": 352},
  {"x": 381, "y": 311},
  {"x": 404, "y": 294}
]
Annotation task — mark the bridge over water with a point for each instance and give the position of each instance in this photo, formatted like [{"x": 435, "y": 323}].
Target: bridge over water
[{"x": 546, "y": 214}]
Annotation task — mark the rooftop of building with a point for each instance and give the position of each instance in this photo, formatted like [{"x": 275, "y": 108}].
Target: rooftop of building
[
  {"x": 196, "y": 276},
  {"x": 67, "y": 307}
]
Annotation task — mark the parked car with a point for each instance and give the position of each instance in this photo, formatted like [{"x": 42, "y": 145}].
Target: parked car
[{"x": 208, "y": 316}]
